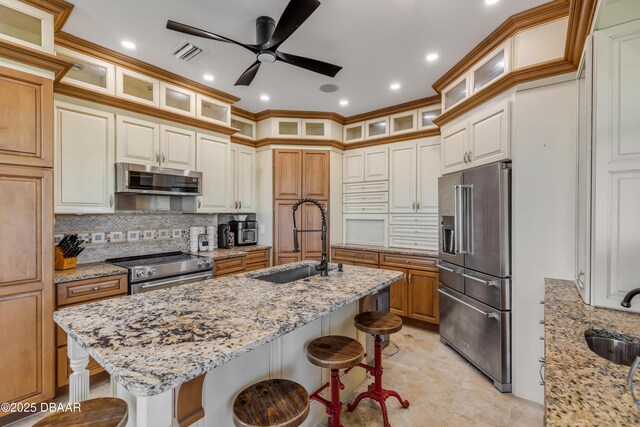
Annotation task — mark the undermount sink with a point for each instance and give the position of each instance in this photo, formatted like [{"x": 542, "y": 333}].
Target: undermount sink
[
  {"x": 616, "y": 350},
  {"x": 292, "y": 275}
]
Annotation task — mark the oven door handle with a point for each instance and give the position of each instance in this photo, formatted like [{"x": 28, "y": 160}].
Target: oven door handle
[
  {"x": 174, "y": 281},
  {"x": 484, "y": 313}
]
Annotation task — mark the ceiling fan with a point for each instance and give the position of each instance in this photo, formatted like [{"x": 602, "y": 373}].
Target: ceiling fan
[{"x": 269, "y": 37}]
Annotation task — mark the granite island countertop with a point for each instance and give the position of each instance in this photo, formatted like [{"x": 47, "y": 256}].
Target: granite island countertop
[
  {"x": 387, "y": 250},
  {"x": 155, "y": 341},
  {"x": 102, "y": 269},
  {"x": 582, "y": 388}
]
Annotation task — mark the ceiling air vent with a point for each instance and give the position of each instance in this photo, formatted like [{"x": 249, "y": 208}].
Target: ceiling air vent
[{"x": 186, "y": 51}]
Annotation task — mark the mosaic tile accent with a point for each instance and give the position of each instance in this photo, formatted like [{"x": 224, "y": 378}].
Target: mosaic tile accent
[{"x": 118, "y": 227}]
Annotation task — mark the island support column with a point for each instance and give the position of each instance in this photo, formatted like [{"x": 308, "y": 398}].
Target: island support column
[{"x": 79, "y": 378}]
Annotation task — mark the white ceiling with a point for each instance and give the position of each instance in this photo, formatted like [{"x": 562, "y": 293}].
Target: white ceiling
[{"x": 376, "y": 41}]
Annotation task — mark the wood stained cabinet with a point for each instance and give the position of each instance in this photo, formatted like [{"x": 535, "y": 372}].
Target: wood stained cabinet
[
  {"x": 422, "y": 295},
  {"x": 26, "y": 119},
  {"x": 299, "y": 174}
]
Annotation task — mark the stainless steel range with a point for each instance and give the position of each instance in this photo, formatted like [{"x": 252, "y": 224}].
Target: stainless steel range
[{"x": 157, "y": 271}]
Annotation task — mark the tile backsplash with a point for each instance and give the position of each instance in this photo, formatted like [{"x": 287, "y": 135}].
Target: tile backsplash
[{"x": 130, "y": 234}]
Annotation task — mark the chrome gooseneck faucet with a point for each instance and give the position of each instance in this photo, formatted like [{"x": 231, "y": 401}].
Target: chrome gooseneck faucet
[{"x": 323, "y": 267}]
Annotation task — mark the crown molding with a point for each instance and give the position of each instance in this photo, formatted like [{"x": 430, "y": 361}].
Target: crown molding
[
  {"x": 394, "y": 138},
  {"x": 581, "y": 16},
  {"x": 529, "y": 18},
  {"x": 241, "y": 112},
  {"x": 267, "y": 114},
  {"x": 305, "y": 142},
  {"x": 238, "y": 139},
  {"x": 80, "y": 45},
  {"x": 113, "y": 101},
  {"x": 60, "y": 9},
  {"x": 35, "y": 58}
]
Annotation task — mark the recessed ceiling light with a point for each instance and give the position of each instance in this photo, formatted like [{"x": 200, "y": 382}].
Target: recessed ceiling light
[
  {"x": 208, "y": 77},
  {"x": 264, "y": 97},
  {"x": 344, "y": 102},
  {"x": 395, "y": 86},
  {"x": 127, "y": 44},
  {"x": 432, "y": 57},
  {"x": 491, "y": 1}
]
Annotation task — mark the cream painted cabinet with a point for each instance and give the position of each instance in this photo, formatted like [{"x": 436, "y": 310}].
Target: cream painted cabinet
[
  {"x": 616, "y": 166},
  {"x": 243, "y": 178},
  {"x": 213, "y": 160},
  {"x": 177, "y": 148},
  {"x": 402, "y": 180},
  {"x": 481, "y": 139},
  {"x": 137, "y": 141},
  {"x": 370, "y": 164},
  {"x": 413, "y": 180},
  {"x": 84, "y": 159}
]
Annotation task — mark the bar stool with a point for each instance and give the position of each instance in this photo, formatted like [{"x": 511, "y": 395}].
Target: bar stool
[
  {"x": 103, "y": 412},
  {"x": 377, "y": 323},
  {"x": 334, "y": 352},
  {"x": 277, "y": 402}
]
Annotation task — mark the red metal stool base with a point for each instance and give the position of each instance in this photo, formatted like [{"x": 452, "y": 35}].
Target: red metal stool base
[
  {"x": 375, "y": 391},
  {"x": 334, "y": 407}
]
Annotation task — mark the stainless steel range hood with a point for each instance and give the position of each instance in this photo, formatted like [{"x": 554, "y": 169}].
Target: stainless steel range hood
[{"x": 153, "y": 188}]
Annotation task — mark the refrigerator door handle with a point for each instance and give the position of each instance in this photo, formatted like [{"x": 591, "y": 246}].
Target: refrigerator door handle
[
  {"x": 457, "y": 219},
  {"x": 468, "y": 218}
]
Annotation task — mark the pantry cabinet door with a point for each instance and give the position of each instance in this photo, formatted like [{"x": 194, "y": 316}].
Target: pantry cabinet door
[
  {"x": 137, "y": 141},
  {"x": 283, "y": 232},
  {"x": 177, "y": 148},
  {"x": 402, "y": 180},
  {"x": 213, "y": 162},
  {"x": 84, "y": 159},
  {"x": 428, "y": 173},
  {"x": 246, "y": 179},
  {"x": 315, "y": 174},
  {"x": 287, "y": 169},
  {"x": 455, "y": 143},
  {"x": 489, "y": 139}
]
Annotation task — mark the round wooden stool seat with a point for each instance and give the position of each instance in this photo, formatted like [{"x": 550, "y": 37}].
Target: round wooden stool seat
[
  {"x": 277, "y": 402},
  {"x": 102, "y": 412},
  {"x": 335, "y": 352},
  {"x": 378, "y": 322}
]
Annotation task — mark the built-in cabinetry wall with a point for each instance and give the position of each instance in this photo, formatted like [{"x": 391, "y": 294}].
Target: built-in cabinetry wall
[
  {"x": 89, "y": 140},
  {"x": 390, "y": 194}
]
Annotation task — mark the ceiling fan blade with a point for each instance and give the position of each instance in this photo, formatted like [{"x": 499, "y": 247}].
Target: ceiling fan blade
[
  {"x": 193, "y": 31},
  {"x": 309, "y": 64},
  {"x": 247, "y": 77},
  {"x": 294, "y": 15}
]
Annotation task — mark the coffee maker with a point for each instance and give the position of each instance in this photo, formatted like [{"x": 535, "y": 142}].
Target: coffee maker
[{"x": 224, "y": 241}]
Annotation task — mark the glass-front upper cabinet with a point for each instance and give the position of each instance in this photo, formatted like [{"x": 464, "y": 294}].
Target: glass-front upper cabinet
[
  {"x": 455, "y": 93},
  {"x": 212, "y": 110},
  {"x": 90, "y": 73},
  {"x": 353, "y": 132},
  {"x": 137, "y": 87},
  {"x": 315, "y": 128},
  {"x": 177, "y": 99},
  {"x": 377, "y": 128},
  {"x": 287, "y": 128},
  {"x": 492, "y": 67},
  {"x": 426, "y": 116},
  {"x": 246, "y": 128},
  {"x": 403, "y": 122},
  {"x": 26, "y": 25}
]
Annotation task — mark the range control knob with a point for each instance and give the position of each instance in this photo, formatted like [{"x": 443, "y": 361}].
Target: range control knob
[
  {"x": 140, "y": 273},
  {"x": 209, "y": 263},
  {"x": 151, "y": 271},
  {"x": 202, "y": 263}
]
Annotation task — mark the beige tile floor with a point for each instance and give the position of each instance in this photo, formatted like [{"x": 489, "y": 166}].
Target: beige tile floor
[{"x": 442, "y": 387}]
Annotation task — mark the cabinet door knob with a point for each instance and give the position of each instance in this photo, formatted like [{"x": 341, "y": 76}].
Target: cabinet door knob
[{"x": 111, "y": 201}]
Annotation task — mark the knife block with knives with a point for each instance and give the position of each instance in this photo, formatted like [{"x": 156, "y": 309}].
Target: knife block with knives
[{"x": 67, "y": 251}]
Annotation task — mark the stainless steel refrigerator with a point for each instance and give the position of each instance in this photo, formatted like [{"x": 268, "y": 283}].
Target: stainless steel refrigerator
[{"x": 475, "y": 267}]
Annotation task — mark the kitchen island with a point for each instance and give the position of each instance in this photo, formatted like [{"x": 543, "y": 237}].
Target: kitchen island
[{"x": 237, "y": 330}]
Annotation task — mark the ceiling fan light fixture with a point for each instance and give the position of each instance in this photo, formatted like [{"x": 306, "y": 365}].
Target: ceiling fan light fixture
[{"x": 267, "y": 56}]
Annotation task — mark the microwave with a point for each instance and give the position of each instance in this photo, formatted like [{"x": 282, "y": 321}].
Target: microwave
[{"x": 154, "y": 180}]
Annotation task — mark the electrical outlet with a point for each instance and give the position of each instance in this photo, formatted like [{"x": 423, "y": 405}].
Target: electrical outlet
[
  {"x": 262, "y": 228},
  {"x": 57, "y": 238},
  {"x": 83, "y": 236}
]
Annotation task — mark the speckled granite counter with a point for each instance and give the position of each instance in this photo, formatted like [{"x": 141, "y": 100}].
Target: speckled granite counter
[
  {"x": 87, "y": 271},
  {"x": 398, "y": 251},
  {"x": 583, "y": 389},
  {"x": 155, "y": 341},
  {"x": 103, "y": 269}
]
